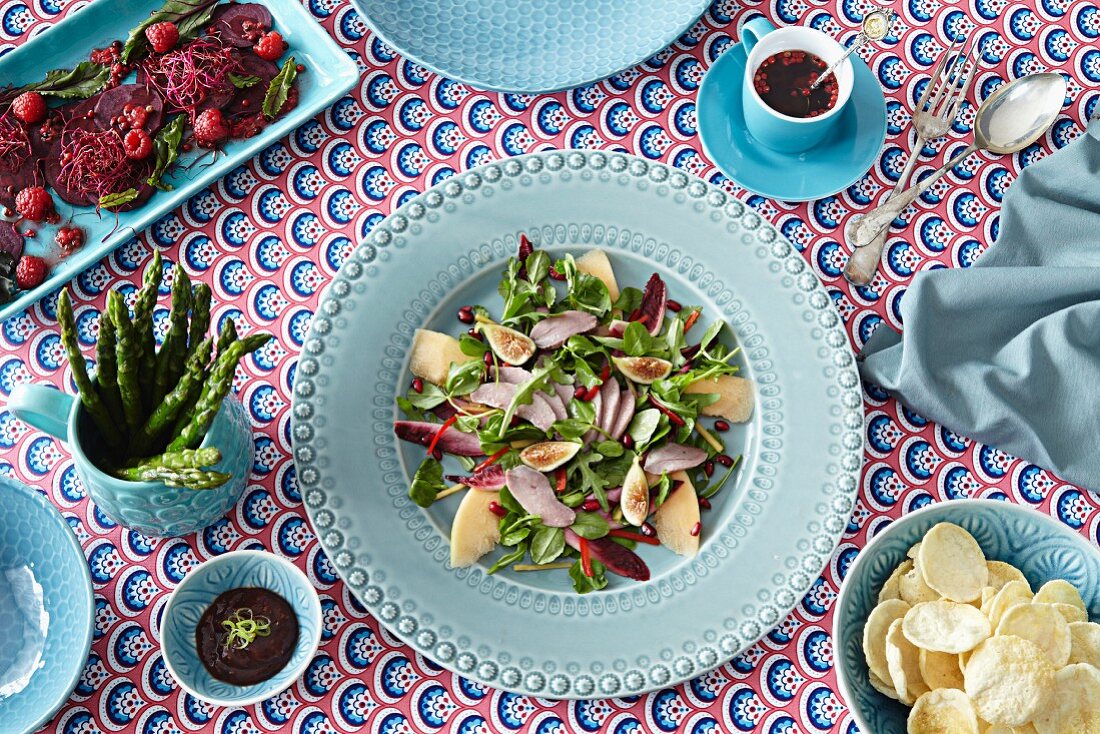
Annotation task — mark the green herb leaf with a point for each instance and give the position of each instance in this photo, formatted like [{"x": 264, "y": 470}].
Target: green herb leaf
[
  {"x": 643, "y": 425},
  {"x": 583, "y": 584},
  {"x": 410, "y": 410},
  {"x": 190, "y": 17},
  {"x": 508, "y": 502},
  {"x": 472, "y": 347},
  {"x": 427, "y": 483},
  {"x": 429, "y": 397},
  {"x": 547, "y": 544},
  {"x": 638, "y": 343},
  {"x": 538, "y": 266},
  {"x": 166, "y": 147},
  {"x": 463, "y": 379},
  {"x": 571, "y": 429},
  {"x": 610, "y": 449},
  {"x": 590, "y": 525},
  {"x": 664, "y": 485},
  {"x": 515, "y": 528},
  {"x": 80, "y": 82},
  {"x": 583, "y": 411},
  {"x": 539, "y": 379},
  {"x": 243, "y": 81},
  {"x": 279, "y": 88},
  {"x": 114, "y": 201},
  {"x": 509, "y": 558},
  {"x": 714, "y": 489},
  {"x": 629, "y": 300}
]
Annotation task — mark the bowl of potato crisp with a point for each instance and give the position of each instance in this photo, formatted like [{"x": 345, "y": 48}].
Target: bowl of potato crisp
[{"x": 972, "y": 617}]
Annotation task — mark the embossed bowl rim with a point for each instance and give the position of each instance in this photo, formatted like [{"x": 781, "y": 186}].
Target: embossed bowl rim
[
  {"x": 844, "y": 602},
  {"x": 230, "y": 558}
]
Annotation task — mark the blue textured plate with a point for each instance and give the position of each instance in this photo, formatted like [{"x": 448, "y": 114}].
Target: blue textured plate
[
  {"x": 34, "y": 535},
  {"x": 835, "y": 164},
  {"x": 199, "y": 589},
  {"x": 772, "y": 529},
  {"x": 329, "y": 74},
  {"x": 1041, "y": 547},
  {"x": 523, "y": 46}
]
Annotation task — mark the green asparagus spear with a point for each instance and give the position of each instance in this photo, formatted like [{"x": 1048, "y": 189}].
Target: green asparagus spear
[
  {"x": 218, "y": 385},
  {"x": 173, "y": 351},
  {"x": 227, "y": 335},
  {"x": 88, "y": 394},
  {"x": 176, "y": 403},
  {"x": 185, "y": 478},
  {"x": 144, "y": 306},
  {"x": 186, "y": 459},
  {"x": 200, "y": 316},
  {"x": 106, "y": 371},
  {"x": 129, "y": 386}
]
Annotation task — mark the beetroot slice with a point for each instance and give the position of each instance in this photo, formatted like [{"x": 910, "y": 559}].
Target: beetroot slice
[
  {"x": 11, "y": 240},
  {"x": 229, "y": 23},
  {"x": 53, "y": 173},
  {"x": 251, "y": 65},
  {"x": 112, "y": 102}
]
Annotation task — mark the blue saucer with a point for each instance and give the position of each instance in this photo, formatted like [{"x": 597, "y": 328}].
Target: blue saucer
[{"x": 834, "y": 165}]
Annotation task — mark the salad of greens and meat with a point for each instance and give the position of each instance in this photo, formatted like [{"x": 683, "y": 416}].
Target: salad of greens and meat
[{"x": 577, "y": 413}]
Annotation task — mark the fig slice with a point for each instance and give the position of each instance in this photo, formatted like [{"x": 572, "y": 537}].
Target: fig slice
[
  {"x": 643, "y": 370},
  {"x": 548, "y": 455},
  {"x": 511, "y": 346},
  {"x": 635, "y": 498}
]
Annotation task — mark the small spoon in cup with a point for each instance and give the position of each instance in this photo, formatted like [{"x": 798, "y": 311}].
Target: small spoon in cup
[{"x": 876, "y": 26}]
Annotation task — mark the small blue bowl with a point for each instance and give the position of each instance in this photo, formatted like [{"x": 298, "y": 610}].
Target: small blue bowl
[
  {"x": 35, "y": 537},
  {"x": 199, "y": 589},
  {"x": 1042, "y": 548}
]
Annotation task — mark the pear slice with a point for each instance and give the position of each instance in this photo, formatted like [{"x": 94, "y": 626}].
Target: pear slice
[
  {"x": 476, "y": 530},
  {"x": 736, "y": 397},
  {"x": 511, "y": 346},
  {"x": 433, "y": 353},
  {"x": 548, "y": 455},
  {"x": 635, "y": 498},
  {"x": 643, "y": 370},
  {"x": 677, "y": 517},
  {"x": 595, "y": 263}
]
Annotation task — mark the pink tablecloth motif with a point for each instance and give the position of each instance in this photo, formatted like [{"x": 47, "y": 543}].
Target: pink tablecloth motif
[{"x": 270, "y": 236}]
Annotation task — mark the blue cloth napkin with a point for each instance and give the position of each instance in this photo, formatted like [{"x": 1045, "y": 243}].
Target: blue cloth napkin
[{"x": 1008, "y": 351}]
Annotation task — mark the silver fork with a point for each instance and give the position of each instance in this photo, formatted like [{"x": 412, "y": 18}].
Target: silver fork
[{"x": 934, "y": 115}]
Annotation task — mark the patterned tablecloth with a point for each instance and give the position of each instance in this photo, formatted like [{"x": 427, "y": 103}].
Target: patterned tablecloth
[{"x": 270, "y": 236}]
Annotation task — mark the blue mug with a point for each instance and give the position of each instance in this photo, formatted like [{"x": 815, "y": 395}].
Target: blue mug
[
  {"x": 784, "y": 133},
  {"x": 151, "y": 508}
]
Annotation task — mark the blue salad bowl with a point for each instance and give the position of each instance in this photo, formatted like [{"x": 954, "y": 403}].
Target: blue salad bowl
[
  {"x": 198, "y": 590},
  {"x": 46, "y": 608},
  {"x": 1042, "y": 548}
]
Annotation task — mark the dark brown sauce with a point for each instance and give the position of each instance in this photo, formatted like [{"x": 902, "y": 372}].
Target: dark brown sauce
[
  {"x": 265, "y": 655},
  {"x": 783, "y": 82}
]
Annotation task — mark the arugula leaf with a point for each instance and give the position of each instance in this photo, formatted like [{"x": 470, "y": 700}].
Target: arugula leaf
[
  {"x": 279, "y": 88},
  {"x": 427, "y": 482},
  {"x": 538, "y": 267},
  {"x": 243, "y": 81},
  {"x": 166, "y": 148},
  {"x": 463, "y": 379},
  {"x": 539, "y": 379},
  {"x": 80, "y": 82},
  {"x": 674, "y": 337},
  {"x": 515, "y": 528},
  {"x": 590, "y": 525},
  {"x": 711, "y": 490},
  {"x": 586, "y": 292},
  {"x": 190, "y": 17},
  {"x": 583, "y": 584},
  {"x": 114, "y": 201},
  {"x": 547, "y": 544},
  {"x": 509, "y": 558}
]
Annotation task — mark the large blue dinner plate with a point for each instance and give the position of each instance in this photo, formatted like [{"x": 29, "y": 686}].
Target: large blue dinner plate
[
  {"x": 772, "y": 528},
  {"x": 523, "y": 46},
  {"x": 329, "y": 74}
]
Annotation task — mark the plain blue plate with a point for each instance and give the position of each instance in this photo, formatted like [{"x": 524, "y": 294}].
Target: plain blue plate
[
  {"x": 329, "y": 74},
  {"x": 523, "y": 46},
  {"x": 834, "y": 165},
  {"x": 35, "y": 537},
  {"x": 1042, "y": 548}
]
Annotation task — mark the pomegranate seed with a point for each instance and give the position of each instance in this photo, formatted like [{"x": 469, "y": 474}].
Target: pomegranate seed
[
  {"x": 674, "y": 306},
  {"x": 708, "y": 468},
  {"x": 648, "y": 529},
  {"x": 555, "y": 275},
  {"x": 488, "y": 359},
  {"x": 696, "y": 529},
  {"x": 628, "y": 442},
  {"x": 466, "y": 315},
  {"x": 475, "y": 334},
  {"x": 721, "y": 425},
  {"x": 580, "y": 392},
  {"x": 724, "y": 459},
  {"x": 418, "y": 385},
  {"x": 497, "y": 509},
  {"x": 704, "y": 503},
  {"x": 591, "y": 393},
  {"x": 590, "y": 505}
]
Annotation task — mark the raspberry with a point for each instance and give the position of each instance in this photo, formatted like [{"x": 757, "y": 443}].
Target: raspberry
[
  {"x": 210, "y": 128},
  {"x": 69, "y": 239},
  {"x": 30, "y": 272},
  {"x": 34, "y": 203},
  {"x": 137, "y": 145},
  {"x": 30, "y": 107},
  {"x": 162, "y": 36},
  {"x": 270, "y": 46}
]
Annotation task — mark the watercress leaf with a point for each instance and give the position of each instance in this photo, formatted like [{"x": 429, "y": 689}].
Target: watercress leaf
[
  {"x": 115, "y": 200},
  {"x": 635, "y": 339},
  {"x": 583, "y": 411},
  {"x": 243, "y": 81},
  {"x": 629, "y": 300},
  {"x": 611, "y": 342},
  {"x": 547, "y": 544},
  {"x": 190, "y": 17},
  {"x": 643, "y": 425},
  {"x": 571, "y": 428},
  {"x": 610, "y": 449},
  {"x": 79, "y": 82},
  {"x": 468, "y": 423},
  {"x": 428, "y": 398},
  {"x": 279, "y": 88},
  {"x": 509, "y": 558},
  {"x": 472, "y": 347},
  {"x": 538, "y": 266},
  {"x": 166, "y": 148},
  {"x": 514, "y": 528},
  {"x": 410, "y": 410},
  {"x": 427, "y": 482},
  {"x": 588, "y": 293},
  {"x": 463, "y": 379},
  {"x": 590, "y": 525},
  {"x": 583, "y": 584}
]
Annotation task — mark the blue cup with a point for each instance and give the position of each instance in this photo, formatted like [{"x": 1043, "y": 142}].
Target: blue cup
[
  {"x": 151, "y": 508},
  {"x": 780, "y": 132}
]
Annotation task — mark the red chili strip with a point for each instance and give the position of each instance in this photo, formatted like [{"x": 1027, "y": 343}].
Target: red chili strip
[
  {"x": 561, "y": 480},
  {"x": 590, "y": 395},
  {"x": 586, "y": 558},
  {"x": 672, "y": 417},
  {"x": 691, "y": 319},
  {"x": 648, "y": 540},
  {"x": 491, "y": 460},
  {"x": 439, "y": 434}
]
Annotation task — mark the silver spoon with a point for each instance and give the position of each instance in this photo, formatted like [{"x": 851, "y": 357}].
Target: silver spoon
[
  {"x": 876, "y": 26},
  {"x": 1012, "y": 118}
]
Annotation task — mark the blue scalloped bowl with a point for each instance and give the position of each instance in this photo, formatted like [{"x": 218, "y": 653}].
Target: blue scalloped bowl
[
  {"x": 200, "y": 587},
  {"x": 33, "y": 534},
  {"x": 1041, "y": 547}
]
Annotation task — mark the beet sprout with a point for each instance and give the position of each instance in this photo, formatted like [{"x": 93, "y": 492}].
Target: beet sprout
[
  {"x": 15, "y": 146},
  {"x": 94, "y": 162},
  {"x": 189, "y": 75}
]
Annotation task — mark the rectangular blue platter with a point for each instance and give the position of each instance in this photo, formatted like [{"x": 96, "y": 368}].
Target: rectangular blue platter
[{"x": 330, "y": 73}]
